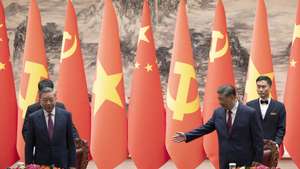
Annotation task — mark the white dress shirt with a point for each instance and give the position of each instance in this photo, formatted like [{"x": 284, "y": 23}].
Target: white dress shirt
[
  {"x": 47, "y": 116},
  {"x": 264, "y": 107},
  {"x": 233, "y": 110}
]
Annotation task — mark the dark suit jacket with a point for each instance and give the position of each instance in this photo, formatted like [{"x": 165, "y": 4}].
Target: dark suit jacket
[
  {"x": 243, "y": 145},
  {"x": 274, "y": 121},
  {"x": 60, "y": 150},
  {"x": 35, "y": 107}
]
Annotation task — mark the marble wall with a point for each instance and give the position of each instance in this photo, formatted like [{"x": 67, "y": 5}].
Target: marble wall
[{"x": 240, "y": 18}]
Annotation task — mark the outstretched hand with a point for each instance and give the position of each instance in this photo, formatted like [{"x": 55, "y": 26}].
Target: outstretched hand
[{"x": 179, "y": 137}]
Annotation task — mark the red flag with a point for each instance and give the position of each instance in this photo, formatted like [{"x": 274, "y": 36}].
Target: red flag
[
  {"x": 34, "y": 69},
  {"x": 109, "y": 124},
  {"x": 8, "y": 101},
  {"x": 72, "y": 88},
  {"x": 220, "y": 63},
  {"x": 260, "y": 61},
  {"x": 292, "y": 96},
  {"x": 146, "y": 115},
  {"x": 183, "y": 104}
]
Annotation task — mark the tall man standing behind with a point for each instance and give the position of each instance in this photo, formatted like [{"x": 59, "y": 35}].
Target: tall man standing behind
[
  {"x": 239, "y": 131},
  {"x": 271, "y": 112},
  {"x": 37, "y": 106},
  {"x": 49, "y": 140}
]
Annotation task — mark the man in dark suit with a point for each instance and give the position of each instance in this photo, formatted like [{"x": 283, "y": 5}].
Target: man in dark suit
[
  {"x": 239, "y": 131},
  {"x": 49, "y": 139},
  {"x": 271, "y": 112},
  {"x": 37, "y": 106}
]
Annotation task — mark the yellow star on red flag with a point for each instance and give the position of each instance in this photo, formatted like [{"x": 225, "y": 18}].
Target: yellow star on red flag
[
  {"x": 293, "y": 63},
  {"x": 142, "y": 34},
  {"x": 296, "y": 32},
  {"x": 148, "y": 67},
  {"x": 2, "y": 66},
  {"x": 105, "y": 88},
  {"x": 137, "y": 65}
]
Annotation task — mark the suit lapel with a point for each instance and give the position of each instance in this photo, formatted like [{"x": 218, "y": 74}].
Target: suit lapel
[
  {"x": 270, "y": 108},
  {"x": 43, "y": 124},
  {"x": 257, "y": 105},
  {"x": 57, "y": 119},
  {"x": 224, "y": 122},
  {"x": 236, "y": 119}
]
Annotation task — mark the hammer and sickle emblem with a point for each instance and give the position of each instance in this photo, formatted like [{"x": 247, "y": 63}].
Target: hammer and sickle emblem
[
  {"x": 35, "y": 71},
  {"x": 213, "y": 53},
  {"x": 69, "y": 52},
  {"x": 180, "y": 106}
]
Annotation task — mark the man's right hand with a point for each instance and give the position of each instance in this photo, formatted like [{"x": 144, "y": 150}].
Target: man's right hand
[{"x": 179, "y": 137}]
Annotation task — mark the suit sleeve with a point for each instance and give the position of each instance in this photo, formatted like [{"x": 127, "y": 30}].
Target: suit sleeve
[
  {"x": 29, "y": 144},
  {"x": 71, "y": 144},
  {"x": 281, "y": 126},
  {"x": 60, "y": 105},
  {"x": 25, "y": 128},
  {"x": 257, "y": 137},
  {"x": 74, "y": 132},
  {"x": 207, "y": 128}
]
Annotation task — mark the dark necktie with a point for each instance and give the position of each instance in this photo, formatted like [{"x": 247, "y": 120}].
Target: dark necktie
[
  {"x": 229, "y": 120},
  {"x": 50, "y": 125},
  {"x": 264, "y": 102}
]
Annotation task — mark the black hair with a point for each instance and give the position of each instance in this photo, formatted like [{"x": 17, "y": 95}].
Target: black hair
[
  {"x": 227, "y": 90},
  {"x": 45, "y": 83},
  {"x": 265, "y": 78}
]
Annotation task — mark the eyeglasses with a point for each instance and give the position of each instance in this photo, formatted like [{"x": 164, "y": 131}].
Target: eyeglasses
[{"x": 44, "y": 100}]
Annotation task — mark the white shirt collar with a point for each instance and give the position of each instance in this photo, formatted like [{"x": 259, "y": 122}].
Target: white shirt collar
[
  {"x": 235, "y": 107},
  {"x": 52, "y": 112}
]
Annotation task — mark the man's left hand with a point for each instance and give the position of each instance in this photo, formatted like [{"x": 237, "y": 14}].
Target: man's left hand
[
  {"x": 277, "y": 145},
  {"x": 255, "y": 164}
]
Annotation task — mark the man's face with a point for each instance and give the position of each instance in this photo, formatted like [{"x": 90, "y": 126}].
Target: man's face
[
  {"x": 227, "y": 101},
  {"x": 48, "y": 100},
  {"x": 263, "y": 89}
]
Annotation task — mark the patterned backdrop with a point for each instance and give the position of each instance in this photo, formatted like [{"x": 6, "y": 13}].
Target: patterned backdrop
[{"x": 240, "y": 17}]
